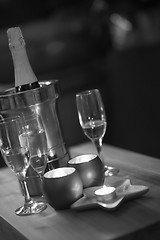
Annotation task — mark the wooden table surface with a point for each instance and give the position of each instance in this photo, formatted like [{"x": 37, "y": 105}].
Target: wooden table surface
[{"x": 135, "y": 219}]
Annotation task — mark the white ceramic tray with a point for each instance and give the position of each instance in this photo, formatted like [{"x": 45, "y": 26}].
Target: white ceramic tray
[{"x": 124, "y": 191}]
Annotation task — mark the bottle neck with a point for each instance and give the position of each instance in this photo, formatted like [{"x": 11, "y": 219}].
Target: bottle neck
[
  {"x": 22, "y": 69},
  {"x": 25, "y": 78}
]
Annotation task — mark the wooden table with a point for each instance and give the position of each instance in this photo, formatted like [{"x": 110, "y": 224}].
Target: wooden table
[{"x": 135, "y": 219}]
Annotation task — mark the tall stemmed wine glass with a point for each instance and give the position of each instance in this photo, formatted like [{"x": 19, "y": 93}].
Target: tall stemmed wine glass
[
  {"x": 92, "y": 119},
  {"x": 17, "y": 157},
  {"x": 38, "y": 146}
]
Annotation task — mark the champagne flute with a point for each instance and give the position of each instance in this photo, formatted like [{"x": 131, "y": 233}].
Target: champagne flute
[
  {"x": 17, "y": 157},
  {"x": 38, "y": 145},
  {"x": 92, "y": 119}
]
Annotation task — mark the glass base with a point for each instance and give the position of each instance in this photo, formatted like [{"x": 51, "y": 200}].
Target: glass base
[
  {"x": 31, "y": 208},
  {"x": 110, "y": 171}
]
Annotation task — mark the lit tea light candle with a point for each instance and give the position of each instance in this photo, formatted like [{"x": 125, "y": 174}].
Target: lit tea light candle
[{"x": 105, "y": 193}]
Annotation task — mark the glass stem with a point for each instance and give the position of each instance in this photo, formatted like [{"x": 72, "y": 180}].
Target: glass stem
[
  {"x": 41, "y": 175},
  {"x": 98, "y": 145},
  {"x": 26, "y": 192}
]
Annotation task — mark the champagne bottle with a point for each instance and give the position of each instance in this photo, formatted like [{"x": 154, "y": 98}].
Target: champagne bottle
[{"x": 25, "y": 79}]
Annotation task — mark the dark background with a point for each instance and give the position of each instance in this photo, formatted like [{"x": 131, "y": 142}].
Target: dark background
[{"x": 111, "y": 45}]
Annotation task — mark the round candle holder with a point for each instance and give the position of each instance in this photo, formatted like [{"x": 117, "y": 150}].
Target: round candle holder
[
  {"x": 90, "y": 169},
  {"x": 62, "y": 187}
]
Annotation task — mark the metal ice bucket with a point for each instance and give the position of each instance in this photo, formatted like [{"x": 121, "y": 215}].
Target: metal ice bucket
[{"x": 43, "y": 101}]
